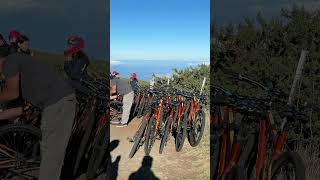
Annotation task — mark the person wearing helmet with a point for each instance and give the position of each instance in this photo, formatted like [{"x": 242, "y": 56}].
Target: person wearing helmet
[
  {"x": 77, "y": 61},
  {"x": 2, "y": 41},
  {"x": 115, "y": 74},
  {"x": 13, "y": 38},
  {"x": 23, "y": 45},
  {"x": 48, "y": 90},
  {"x": 4, "y": 49},
  {"x": 134, "y": 82},
  {"x": 122, "y": 88}
]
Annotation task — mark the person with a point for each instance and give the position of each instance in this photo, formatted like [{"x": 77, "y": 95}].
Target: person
[
  {"x": 4, "y": 48},
  {"x": 122, "y": 88},
  {"x": 77, "y": 61},
  {"x": 2, "y": 41},
  {"x": 134, "y": 82},
  {"x": 48, "y": 90},
  {"x": 13, "y": 38},
  {"x": 115, "y": 74},
  {"x": 23, "y": 45},
  {"x": 3, "y": 45}
]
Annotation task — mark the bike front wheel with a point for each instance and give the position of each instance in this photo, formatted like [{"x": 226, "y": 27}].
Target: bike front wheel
[
  {"x": 181, "y": 133},
  {"x": 196, "y": 130},
  {"x": 288, "y": 166},
  {"x": 150, "y": 136}
]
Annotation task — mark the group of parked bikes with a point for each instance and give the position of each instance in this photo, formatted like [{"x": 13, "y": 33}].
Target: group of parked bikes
[
  {"x": 166, "y": 112},
  {"x": 87, "y": 150},
  {"x": 247, "y": 142}
]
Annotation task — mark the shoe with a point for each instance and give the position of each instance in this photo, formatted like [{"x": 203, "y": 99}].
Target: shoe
[
  {"x": 115, "y": 122},
  {"x": 130, "y": 139},
  {"x": 122, "y": 125}
]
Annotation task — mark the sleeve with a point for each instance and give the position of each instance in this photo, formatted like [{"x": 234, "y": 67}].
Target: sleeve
[
  {"x": 75, "y": 68},
  {"x": 11, "y": 67}
]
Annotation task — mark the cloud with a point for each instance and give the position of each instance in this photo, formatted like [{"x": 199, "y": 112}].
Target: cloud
[
  {"x": 115, "y": 63},
  {"x": 199, "y": 63},
  {"x": 167, "y": 75}
]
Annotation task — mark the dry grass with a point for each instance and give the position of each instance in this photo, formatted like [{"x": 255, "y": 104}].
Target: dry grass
[{"x": 311, "y": 158}]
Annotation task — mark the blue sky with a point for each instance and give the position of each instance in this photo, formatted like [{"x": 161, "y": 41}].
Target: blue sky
[{"x": 159, "y": 30}]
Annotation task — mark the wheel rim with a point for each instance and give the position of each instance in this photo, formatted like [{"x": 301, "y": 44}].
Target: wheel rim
[
  {"x": 197, "y": 128},
  {"x": 285, "y": 173},
  {"x": 151, "y": 136},
  {"x": 17, "y": 154}
]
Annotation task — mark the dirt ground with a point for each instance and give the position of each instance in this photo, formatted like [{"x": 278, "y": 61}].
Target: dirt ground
[{"x": 168, "y": 165}]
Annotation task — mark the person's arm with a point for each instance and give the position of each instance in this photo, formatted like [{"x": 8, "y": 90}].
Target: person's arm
[
  {"x": 11, "y": 89},
  {"x": 113, "y": 97},
  {"x": 11, "y": 113}
]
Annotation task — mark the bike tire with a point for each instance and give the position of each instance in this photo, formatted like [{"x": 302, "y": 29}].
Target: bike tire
[
  {"x": 85, "y": 140},
  {"x": 165, "y": 136},
  {"x": 98, "y": 153},
  {"x": 150, "y": 135},
  {"x": 284, "y": 160},
  {"x": 135, "y": 112},
  {"x": 193, "y": 140},
  {"x": 237, "y": 173},
  {"x": 141, "y": 108},
  {"x": 181, "y": 134},
  {"x": 138, "y": 136},
  {"x": 30, "y": 130}
]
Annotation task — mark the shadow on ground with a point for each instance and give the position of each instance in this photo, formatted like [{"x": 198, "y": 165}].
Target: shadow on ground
[
  {"x": 113, "y": 167},
  {"x": 144, "y": 172}
]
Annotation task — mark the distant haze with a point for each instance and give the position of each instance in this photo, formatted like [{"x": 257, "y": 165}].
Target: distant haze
[{"x": 145, "y": 68}]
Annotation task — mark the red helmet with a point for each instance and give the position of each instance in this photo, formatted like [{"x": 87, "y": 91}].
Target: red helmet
[
  {"x": 76, "y": 43},
  {"x": 133, "y": 76},
  {"x": 13, "y": 35},
  {"x": 114, "y": 73}
]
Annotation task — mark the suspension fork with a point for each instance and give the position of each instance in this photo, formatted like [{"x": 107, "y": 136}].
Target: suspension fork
[
  {"x": 277, "y": 149},
  {"x": 147, "y": 118},
  {"x": 191, "y": 108},
  {"x": 225, "y": 141},
  {"x": 159, "y": 114},
  {"x": 261, "y": 147},
  {"x": 181, "y": 111}
]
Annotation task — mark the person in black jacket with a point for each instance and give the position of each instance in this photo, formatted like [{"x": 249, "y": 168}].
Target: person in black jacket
[
  {"x": 77, "y": 61},
  {"x": 134, "y": 82}
]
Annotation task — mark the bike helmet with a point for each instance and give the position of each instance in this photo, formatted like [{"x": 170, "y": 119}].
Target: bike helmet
[
  {"x": 13, "y": 36},
  {"x": 133, "y": 76},
  {"x": 76, "y": 44},
  {"x": 115, "y": 73}
]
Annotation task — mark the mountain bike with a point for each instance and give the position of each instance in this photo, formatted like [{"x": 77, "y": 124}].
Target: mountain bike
[
  {"x": 254, "y": 150},
  {"x": 84, "y": 139},
  {"x": 140, "y": 135}
]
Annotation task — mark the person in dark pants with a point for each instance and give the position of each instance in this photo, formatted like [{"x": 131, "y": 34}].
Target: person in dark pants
[
  {"x": 122, "y": 88},
  {"x": 45, "y": 88}
]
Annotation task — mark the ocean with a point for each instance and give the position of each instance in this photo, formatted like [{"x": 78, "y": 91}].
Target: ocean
[{"x": 145, "y": 68}]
